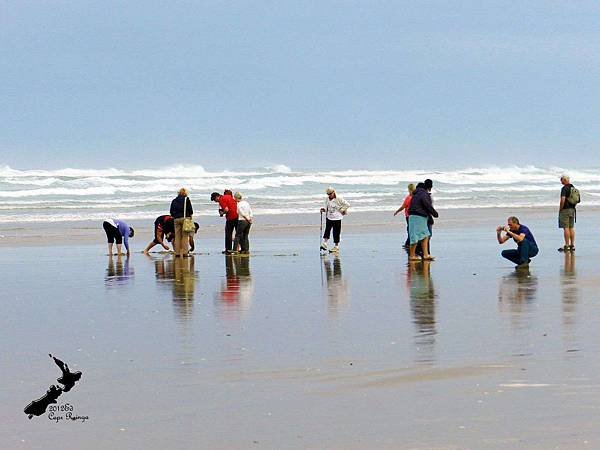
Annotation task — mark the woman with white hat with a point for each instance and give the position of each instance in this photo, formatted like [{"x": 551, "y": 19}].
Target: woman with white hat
[{"x": 335, "y": 209}]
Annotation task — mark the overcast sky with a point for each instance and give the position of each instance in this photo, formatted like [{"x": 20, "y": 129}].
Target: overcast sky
[{"x": 318, "y": 84}]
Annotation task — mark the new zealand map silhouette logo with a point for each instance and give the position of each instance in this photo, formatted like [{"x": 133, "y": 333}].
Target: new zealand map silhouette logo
[{"x": 68, "y": 380}]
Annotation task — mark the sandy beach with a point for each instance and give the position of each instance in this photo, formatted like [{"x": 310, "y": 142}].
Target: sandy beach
[{"x": 288, "y": 349}]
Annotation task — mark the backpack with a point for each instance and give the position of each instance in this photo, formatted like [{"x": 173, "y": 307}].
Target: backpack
[{"x": 574, "y": 196}]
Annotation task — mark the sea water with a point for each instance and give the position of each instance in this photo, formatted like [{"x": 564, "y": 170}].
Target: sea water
[{"x": 94, "y": 194}]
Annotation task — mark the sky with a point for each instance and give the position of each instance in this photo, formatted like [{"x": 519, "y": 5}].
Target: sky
[{"x": 308, "y": 84}]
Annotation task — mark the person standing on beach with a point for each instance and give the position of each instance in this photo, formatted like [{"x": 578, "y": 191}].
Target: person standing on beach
[
  {"x": 228, "y": 208},
  {"x": 526, "y": 246},
  {"x": 404, "y": 207},
  {"x": 420, "y": 218},
  {"x": 243, "y": 227},
  {"x": 164, "y": 228},
  {"x": 335, "y": 209},
  {"x": 569, "y": 197},
  {"x": 181, "y": 207},
  {"x": 119, "y": 232}
]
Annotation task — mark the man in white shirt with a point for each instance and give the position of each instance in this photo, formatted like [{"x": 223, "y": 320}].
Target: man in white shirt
[
  {"x": 335, "y": 209},
  {"x": 243, "y": 227}
]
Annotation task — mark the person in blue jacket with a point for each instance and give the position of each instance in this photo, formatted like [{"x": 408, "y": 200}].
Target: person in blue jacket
[{"x": 117, "y": 232}]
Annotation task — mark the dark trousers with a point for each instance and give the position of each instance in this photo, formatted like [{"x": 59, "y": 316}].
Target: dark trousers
[
  {"x": 230, "y": 226},
  {"x": 336, "y": 225},
  {"x": 522, "y": 253},
  {"x": 112, "y": 234},
  {"x": 241, "y": 235}
]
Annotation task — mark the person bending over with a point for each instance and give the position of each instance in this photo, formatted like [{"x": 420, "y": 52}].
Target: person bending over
[
  {"x": 526, "y": 246},
  {"x": 164, "y": 228},
  {"x": 227, "y": 208},
  {"x": 117, "y": 231},
  {"x": 191, "y": 244}
]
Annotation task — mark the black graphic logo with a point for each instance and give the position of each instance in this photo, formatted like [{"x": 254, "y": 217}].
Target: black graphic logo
[{"x": 68, "y": 380}]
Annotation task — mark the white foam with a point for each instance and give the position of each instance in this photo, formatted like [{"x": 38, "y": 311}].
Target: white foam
[{"x": 276, "y": 189}]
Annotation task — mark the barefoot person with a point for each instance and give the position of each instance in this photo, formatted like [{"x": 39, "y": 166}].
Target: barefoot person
[
  {"x": 404, "y": 207},
  {"x": 420, "y": 214},
  {"x": 567, "y": 214},
  {"x": 181, "y": 207},
  {"x": 335, "y": 209},
  {"x": 117, "y": 232},
  {"x": 191, "y": 243},
  {"x": 164, "y": 229},
  {"x": 526, "y": 246}
]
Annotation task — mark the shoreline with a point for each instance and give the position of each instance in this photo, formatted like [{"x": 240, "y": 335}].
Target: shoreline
[{"x": 90, "y": 232}]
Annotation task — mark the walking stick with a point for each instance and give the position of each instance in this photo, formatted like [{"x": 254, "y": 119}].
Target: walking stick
[{"x": 321, "y": 231}]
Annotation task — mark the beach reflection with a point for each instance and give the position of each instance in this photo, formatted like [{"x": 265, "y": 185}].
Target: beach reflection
[
  {"x": 235, "y": 295},
  {"x": 180, "y": 275},
  {"x": 337, "y": 286},
  {"x": 570, "y": 292},
  {"x": 517, "y": 295},
  {"x": 119, "y": 272},
  {"x": 422, "y": 305}
]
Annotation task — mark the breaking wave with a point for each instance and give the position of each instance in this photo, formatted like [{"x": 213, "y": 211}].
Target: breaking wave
[{"x": 92, "y": 194}]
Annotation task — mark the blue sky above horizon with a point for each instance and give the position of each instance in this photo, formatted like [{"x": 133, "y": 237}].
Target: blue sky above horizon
[{"x": 335, "y": 84}]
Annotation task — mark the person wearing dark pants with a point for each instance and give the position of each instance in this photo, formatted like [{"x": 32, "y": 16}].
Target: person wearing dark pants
[
  {"x": 405, "y": 206},
  {"x": 117, "y": 232},
  {"x": 241, "y": 236},
  {"x": 526, "y": 246},
  {"x": 335, "y": 209},
  {"x": 227, "y": 208},
  {"x": 336, "y": 226},
  {"x": 243, "y": 226}
]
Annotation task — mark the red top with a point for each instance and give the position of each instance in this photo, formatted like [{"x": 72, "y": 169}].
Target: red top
[
  {"x": 406, "y": 204},
  {"x": 227, "y": 201}
]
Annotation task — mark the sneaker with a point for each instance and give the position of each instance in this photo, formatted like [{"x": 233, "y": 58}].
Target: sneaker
[
  {"x": 335, "y": 249},
  {"x": 564, "y": 248},
  {"x": 523, "y": 265},
  {"x": 571, "y": 248},
  {"x": 323, "y": 246}
]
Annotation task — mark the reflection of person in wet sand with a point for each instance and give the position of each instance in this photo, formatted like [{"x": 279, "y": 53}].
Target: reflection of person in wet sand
[
  {"x": 337, "y": 287},
  {"x": 422, "y": 296},
  {"x": 183, "y": 283},
  {"x": 119, "y": 272},
  {"x": 236, "y": 290},
  {"x": 570, "y": 291},
  {"x": 517, "y": 294},
  {"x": 68, "y": 378}
]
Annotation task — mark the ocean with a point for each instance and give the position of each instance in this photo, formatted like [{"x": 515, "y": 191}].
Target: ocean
[{"x": 94, "y": 194}]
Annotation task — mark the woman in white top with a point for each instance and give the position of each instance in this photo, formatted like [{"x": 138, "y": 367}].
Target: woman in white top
[
  {"x": 243, "y": 227},
  {"x": 335, "y": 209}
]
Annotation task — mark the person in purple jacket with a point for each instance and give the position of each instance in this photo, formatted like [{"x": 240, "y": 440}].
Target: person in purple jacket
[{"x": 119, "y": 232}]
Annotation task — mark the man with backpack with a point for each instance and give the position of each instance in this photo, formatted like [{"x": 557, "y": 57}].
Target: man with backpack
[{"x": 569, "y": 198}]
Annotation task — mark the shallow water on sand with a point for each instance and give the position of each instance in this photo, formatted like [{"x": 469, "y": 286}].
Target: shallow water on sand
[{"x": 288, "y": 349}]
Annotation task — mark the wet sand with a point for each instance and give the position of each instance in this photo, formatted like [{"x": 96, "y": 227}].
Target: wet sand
[{"x": 287, "y": 349}]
